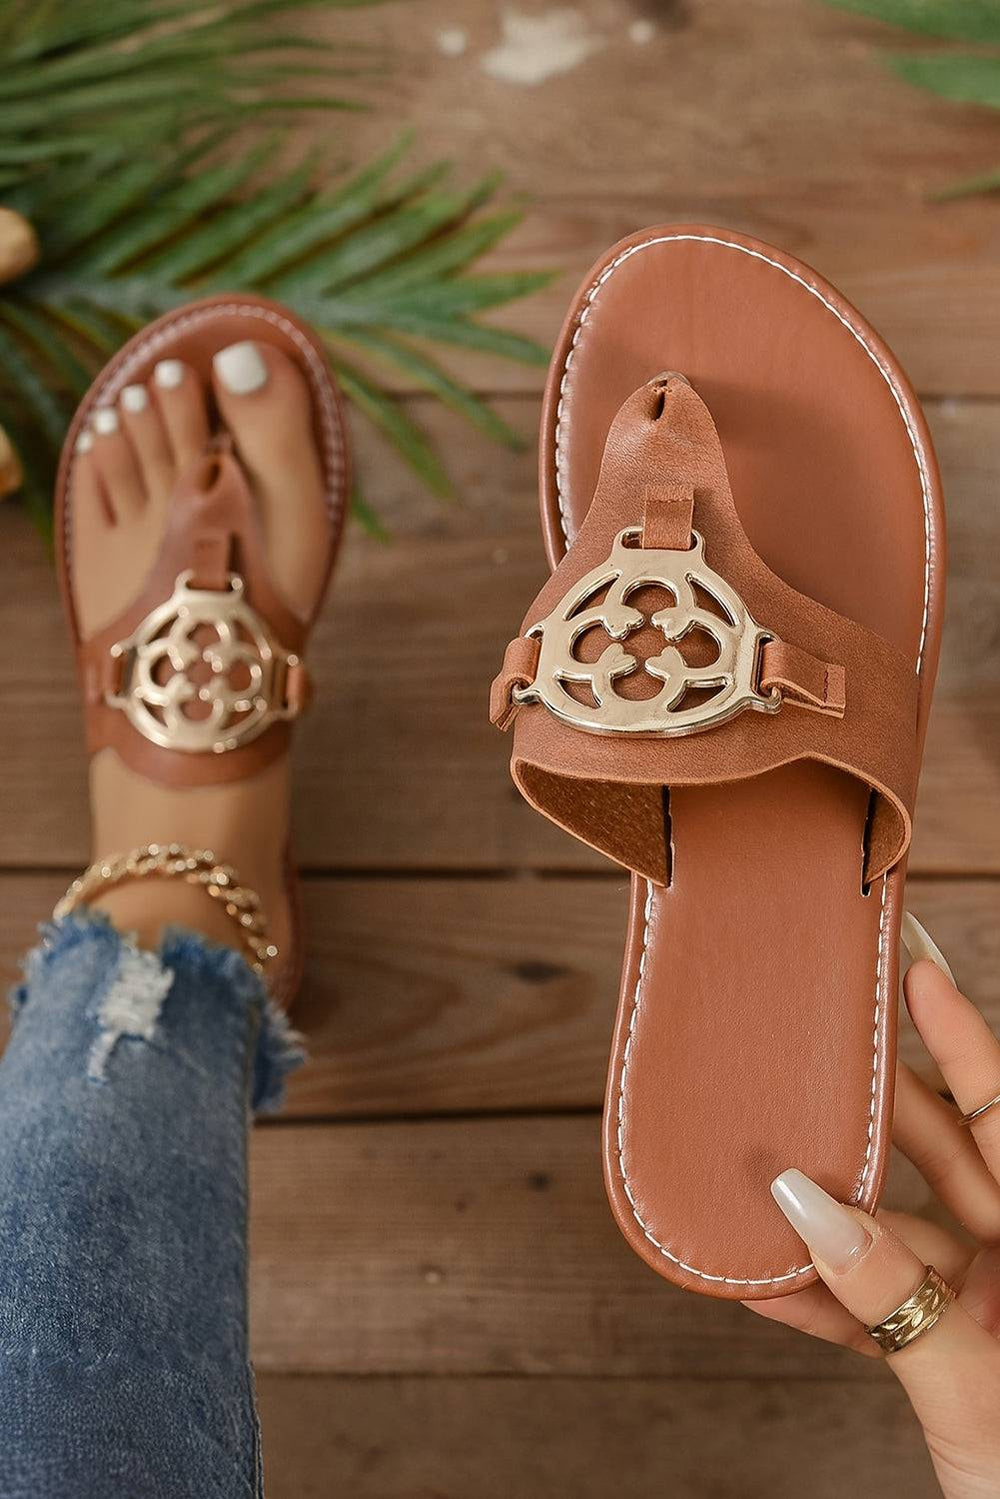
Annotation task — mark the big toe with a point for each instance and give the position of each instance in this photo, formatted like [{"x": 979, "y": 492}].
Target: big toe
[{"x": 264, "y": 402}]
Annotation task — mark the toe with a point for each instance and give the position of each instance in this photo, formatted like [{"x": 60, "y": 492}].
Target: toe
[
  {"x": 88, "y": 498},
  {"x": 116, "y": 465},
  {"x": 263, "y": 399},
  {"x": 143, "y": 424},
  {"x": 264, "y": 402},
  {"x": 181, "y": 403}
]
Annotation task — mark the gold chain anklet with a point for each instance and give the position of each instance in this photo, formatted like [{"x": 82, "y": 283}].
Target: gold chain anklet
[{"x": 197, "y": 866}]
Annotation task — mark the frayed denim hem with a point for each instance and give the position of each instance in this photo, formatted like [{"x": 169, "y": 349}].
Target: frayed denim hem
[{"x": 131, "y": 1004}]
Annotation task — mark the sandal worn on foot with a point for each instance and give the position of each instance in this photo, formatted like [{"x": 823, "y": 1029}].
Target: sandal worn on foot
[
  {"x": 199, "y": 680},
  {"x": 724, "y": 686}
]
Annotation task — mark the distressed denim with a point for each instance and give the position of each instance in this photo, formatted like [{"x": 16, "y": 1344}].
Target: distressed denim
[{"x": 125, "y": 1094}]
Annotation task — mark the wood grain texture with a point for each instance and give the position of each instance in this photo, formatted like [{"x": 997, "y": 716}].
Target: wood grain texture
[
  {"x": 398, "y": 767},
  {"x": 468, "y": 1317},
  {"x": 463, "y": 996},
  {"x": 481, "y": 1246},
  {"x": 776, "y": 117},
  {"x": 769, "y": 1438}
]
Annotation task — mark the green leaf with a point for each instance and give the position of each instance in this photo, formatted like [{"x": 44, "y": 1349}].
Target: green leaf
[
  {"x": 175, "y": 210},
  {"x": 321, "y": 220},
  {"x": 982, "y": 182},
  {"x": 23, "y": 377},
  {"x": 429, "y": 376},
  {"x": 450, "y": 299},
  {"x": 958, "y": 20},
  {"x": 37, "y": 332},
  {"x": 120, "y": 187},
  {"x": 366, "y": 517},
  {"x": 386, "y": 227},
  {"x": 404, "y": 435},
  {"x": 229, "y": 229},
  {"x": 130, "y": 136},
  {"x": 965, "y": 77},
  {"x": 479, "y": 337},
  {"x": 450, "y": 252}
]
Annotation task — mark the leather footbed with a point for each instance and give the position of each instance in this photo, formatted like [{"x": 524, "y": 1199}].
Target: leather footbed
[
  {"x": 756, "y": 1024},
  {"x": 193, "y": 334}
]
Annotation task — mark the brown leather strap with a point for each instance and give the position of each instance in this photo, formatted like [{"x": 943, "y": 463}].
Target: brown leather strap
[
  {"x": 211, "y": 558},
  {"x": 667, "y": 512},
  {"x": 804, "y": 680},
  {"x": 212, "y": 531},
  {"x": 859, "y": 692},
  {"x": 298, "y": 687},
  {"x": 520, "y": 662}
]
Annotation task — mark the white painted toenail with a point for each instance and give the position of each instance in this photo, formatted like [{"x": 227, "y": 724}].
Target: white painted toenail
[
  {"x": 135, "y": 398},
  {"x": 106, "y": 420},
  {"x": 84, "y": 442},
  {"x": 169, "y": 373},
  {"x": 241, "y": 368}
]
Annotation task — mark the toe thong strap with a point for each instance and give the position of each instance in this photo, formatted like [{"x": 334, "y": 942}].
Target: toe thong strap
[
  {"x": 740, "y": 673},
  {"x": 197, "y": 681}
]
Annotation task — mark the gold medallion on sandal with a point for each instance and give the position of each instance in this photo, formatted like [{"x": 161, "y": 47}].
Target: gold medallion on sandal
[
  {"x": 202, "y": 672},
  {"x": 690, "y": 698}
]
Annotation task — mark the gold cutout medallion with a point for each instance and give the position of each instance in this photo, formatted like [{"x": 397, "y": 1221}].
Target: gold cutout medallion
[
  {"x": 184, "y": 655},
  {"x": 629, "y": 568}
]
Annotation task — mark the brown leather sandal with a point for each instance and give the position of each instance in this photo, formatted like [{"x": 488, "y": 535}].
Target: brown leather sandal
[
  {"x": 209, "y": 604},
  {"x": 724, "y": 686}
]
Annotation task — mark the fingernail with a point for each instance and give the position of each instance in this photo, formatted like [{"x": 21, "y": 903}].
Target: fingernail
[
  {"x": 105, "y": 420},
  {"x": 84, "y": 442},
  {"x": 135, "y": 398},
  {"x": 920, "y": 944},
  {"x": 832, "y": 1234},
  {"x": 241, "y": 368},
  {"x": 168, "y": 374}
]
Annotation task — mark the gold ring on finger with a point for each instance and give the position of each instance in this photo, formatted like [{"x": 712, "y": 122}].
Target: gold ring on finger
[
  {"x": 915, "y": 1316},
  {"x": 966, "y": 1119}
]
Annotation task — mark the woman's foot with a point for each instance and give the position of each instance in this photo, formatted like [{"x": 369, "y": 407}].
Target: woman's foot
[{"x": 127, "y": 462}]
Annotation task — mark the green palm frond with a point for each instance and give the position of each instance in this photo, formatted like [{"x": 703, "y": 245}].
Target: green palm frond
[
  {"x": 380, "y": 260},
  {"x": 79, "y": 76},
  {"x": 962, "y": 76}
]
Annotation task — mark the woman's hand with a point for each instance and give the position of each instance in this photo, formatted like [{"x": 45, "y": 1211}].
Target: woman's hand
[{"x": 870, "y": 1266}]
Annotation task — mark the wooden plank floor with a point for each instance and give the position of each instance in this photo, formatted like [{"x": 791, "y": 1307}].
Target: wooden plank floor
[{"x": 441, "y": 1305}]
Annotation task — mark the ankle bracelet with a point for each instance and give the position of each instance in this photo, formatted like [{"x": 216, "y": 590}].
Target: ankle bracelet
[{"x": 196, "y": 866}]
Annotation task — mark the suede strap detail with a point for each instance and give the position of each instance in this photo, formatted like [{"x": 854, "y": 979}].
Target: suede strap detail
[
  {"x": 849, "y": 698},
  {"x": 667, "y": 513},
  {"x": 520, "y": 662},
  {"x": 804, "y": 680}
]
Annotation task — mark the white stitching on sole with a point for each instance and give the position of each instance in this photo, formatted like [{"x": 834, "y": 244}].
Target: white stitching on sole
[
  {"x": 880, "y": 975},
  {"x": 333, "y": 443}
]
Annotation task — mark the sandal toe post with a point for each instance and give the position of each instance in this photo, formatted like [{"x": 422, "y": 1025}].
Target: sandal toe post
[
  {"x": 724, "y": 686},
  {"x": 199, "y": 680}
]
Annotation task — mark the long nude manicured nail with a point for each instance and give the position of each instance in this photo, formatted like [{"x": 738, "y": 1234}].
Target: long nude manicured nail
[
  {"x": 832, "y": 1233},
  {"x": 106, "y": 421},
  {"x": 84, "y": 442},
  {"x": 920, "y": 944},
  {"x": 241, "y": 368},
  {"x": 169, "y": 373},
  {"x": 135, "y": 398}
]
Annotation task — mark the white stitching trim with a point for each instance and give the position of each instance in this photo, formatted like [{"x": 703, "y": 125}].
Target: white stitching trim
[
  {"x": 882, "y": 949},
  {"x": 740, "y": 1280},
  {"x": 333, "y": 437}
]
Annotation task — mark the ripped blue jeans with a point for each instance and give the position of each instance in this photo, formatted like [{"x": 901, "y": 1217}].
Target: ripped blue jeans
[{"x": 125, "y": 1094}]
